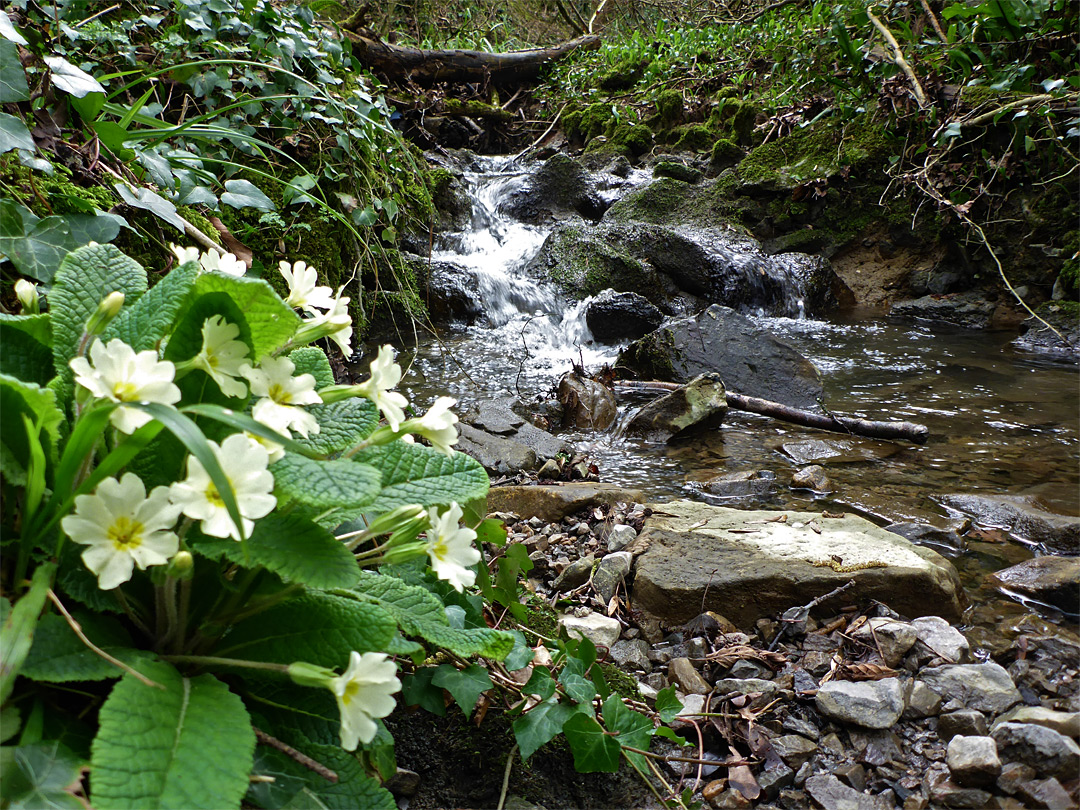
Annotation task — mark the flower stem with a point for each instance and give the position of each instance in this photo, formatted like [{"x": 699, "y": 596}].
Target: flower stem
[{"x": 212, "y": 660}]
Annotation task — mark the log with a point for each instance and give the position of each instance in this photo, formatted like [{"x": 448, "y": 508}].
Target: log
[
  {"x": 905, "y": 431},
  {"x": 399, "y": 63}
]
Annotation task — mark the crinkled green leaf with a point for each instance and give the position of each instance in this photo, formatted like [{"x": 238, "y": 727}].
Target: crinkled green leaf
[
  {"x": 292, "y": 547},
  {"x": 42, "y": 776},
  {"x": 319, "y": 628},
  {"x": 244, "y": 194},
  {"x": 325, "y": 484},
  {"x": 593, "y": 749},
  {"x": 296, "y": 787},
  {"x": 312, "y": 360},
  {"x": 342, "y": 425},
  {"x": 464, "y": 685},
  {"x": 58, "y": 655},
  {"x": 631, "y": 728},
  {"x": 415, "y": 474},
  {"x": 143, "y": 325},
  {"x": 25, "y": 354},
  {"x": 271, "y": 322},
  {"x": 17, "y": 630},
  {"x": 13, "y": 85},
  {"x": 189, "y": 745},
  {"x": 86, "y": 276},
  {"x": 540, "y": 725},
  {"x": 14, "y": 134},
  {"x": 296, "y": 714},
  {"x": 148, "y": 200}
]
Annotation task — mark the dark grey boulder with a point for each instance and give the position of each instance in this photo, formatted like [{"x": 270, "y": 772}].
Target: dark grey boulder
[
  {"x": 746, "y": 356},
  {"x": 560, "y": 188},
  {"x": 450, "y": 291},
  {"x": 1037, "y": 336},
  {"x": 503, "y": 442},
  {"x": 615, "y": 315},
  {"x": 698, "y": 405},
  {"x": 969, "y": 309},
  {"x": 1021, "y": 516},
  {"x": 1051, "y": 580}
]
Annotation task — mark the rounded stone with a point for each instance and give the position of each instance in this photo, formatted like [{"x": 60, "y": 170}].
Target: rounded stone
[{"x": 870, "y": 704}]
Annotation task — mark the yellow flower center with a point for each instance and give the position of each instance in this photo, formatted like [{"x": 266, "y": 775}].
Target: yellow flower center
[
  {"x": 351, "y": 690},
  {"x": 125, "y": 391},
  {"x": 278, "y": 394},
  {"x": 126, "y": 533},
  {"x": 214, "y": 496},
  {"x": 440, "y": 548}
]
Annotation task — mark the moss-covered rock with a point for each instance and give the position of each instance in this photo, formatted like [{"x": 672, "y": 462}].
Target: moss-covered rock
[
  {"x": 734, "y": 118},
  {"x": 624, "y": 74},
  {"x": 677, "y": 171},
  {"x": 724, "y": 154},
  {"x": 694, "y": 138},
  {"x": 669, "y": 107}
]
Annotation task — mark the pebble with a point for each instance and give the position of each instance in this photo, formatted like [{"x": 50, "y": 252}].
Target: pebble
[
  {"x": 1045, "y": 793},
  {"x": 600, "y": 630},
  {"x": 985, "y": 687},
  {"x": 965, "y": 722},
  {"x": 830, "y": 793},
  {"x": 631, "y": 654},
  {"x": 893, "y": 638},
  {"x": 870, "y": 704},
  {"x": 922, "y": 701},
  {"x": 1012, "y": 774},
  {"x": 939, "y": 639},
  {"x": 973, "y": 761},
  {"x": 575, "y": 574},
  {"x": 794, "y": 749},
  {"x": 610, "y": 573},
  {"x": 1044, "y": 749},
  {"x": 620, "y": 537},
  {"x": 812, "y": 477},
  {"x": 945, "y": 791},
  {"x": 1067, "y": 723},
  {"x": 681, "y": 672}
]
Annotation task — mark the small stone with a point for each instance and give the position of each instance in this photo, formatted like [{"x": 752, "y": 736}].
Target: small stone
[
  {"x": 870, "y": 704},
  {"x": 697, "y": 648},
  {"x": 535, "y": 522},
  {"x": 773, "y": 780},
  {"x": 620, "y": 537},
  {"x": 832, "y": 743},
  {"x": 575, "y": 574},
  {"x": 802, "y": 728},
  {"x": 610, "y": 573},
  {"x": 549, "y": 471},
  {"x": 731, "y": 799},
  {"x": 831, "y": 794},
  {"x": 1045, "y": 793},
  {"x": 916, "y": 801},
  {"x": 939, "y": 639},
  {"x": 986, "y": 687},
  {"x": 922, "y": 701},
  {"x": 852, "y": 774},
  {"x": 692, "y": 705},
  {"x": 744, "y": 668},
  {"x": 765, "y": 690},
  {"x": 404, "y": 783},
  {"x": 894, "y": 638},
  {"x": 794, "y": 749},
  {"x": 682, "y": 673},
  {"x": 1067, "y": 723},
  {"x": 1012, "y": 774},
  {"x": 712, "y": 791},
  {"x": 966, "y": 722},
  {"x": 812, "y": 477},
  {"x": 1044, "y": 749},
  {"x": 945, "y": 791},
  {"x": 816, "y": 662},
  {"x": 973, "y": 761},
  {"x": 581, "y": 529},
  {"x": 1048, "y": 579},
  {"x": 631, "y": 654},
  {"x": 600, "y": 630}
]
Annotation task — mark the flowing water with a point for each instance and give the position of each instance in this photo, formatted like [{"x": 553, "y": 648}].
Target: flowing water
[{"x": 1001, "y": 421}]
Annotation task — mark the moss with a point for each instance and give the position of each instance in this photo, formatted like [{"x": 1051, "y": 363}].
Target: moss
[
  {"x": 636, "y": 138},
  {"x": 590, "y": 122},
  {"x": 677, "y": 171},
  {"x": 624, "y": 75},
  {"x": 622, "y": 683},
  {"x": 735, "y": 117},
  {"x": 197, "y": 219},
  {"x": 669, "y": 106},
  {"x": 725, "y": 154},
  {"x": 694, "y": 137},
  {"x": 477, "y": 109},
  {"x": 542, "y": 620},
  {"x": 651, "y": 357}
]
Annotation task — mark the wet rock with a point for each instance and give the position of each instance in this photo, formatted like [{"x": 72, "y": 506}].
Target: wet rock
[
  {"x": 681, "y": 672},
  {"x": 549, "y": 471},
  {"x": 812, "y": 477},
  {"x": 600, "y": 630},
  {"x": 503, "y": 442},
  {"x": 677, "y": 170},
  {"x": 742, "y": 485},
  {"x": 938, "y": 639},
  {"x": 973, "y": 761},
  {"x": 965, "y": 722},
  {"x": 698, "y": 405},
  {"x": 1021, "y": 516},
  {"x": 773, "y": 780},
  {"x": 1045, "y": 750},
  {"x": 969, "y": 309},
  {"x": 553, "y": 503},
  {"x": 1012, "y": 775},
  {"x": 502, "y": 455},
  {"x": 587, "y": 403},
  {"x": 748, "y": 564},
  {"x": 833, "y": 450},
  {"x": 870, "y": 704},
  {"x": 1035, "y": 336},
  {"x": 559, "y": 188},
  {"x": 613, "y": 316},
  {"x": 1045, "y": 793},
  {"x": 610, "y": 573},
  {"x": 922, "y": 701},
  {"x": 1067, "y": 723},
  {"x": 631, "y": 653},
  {"x": 620, "y": 536},
  {"x": 1050, "y": 580},
  {"x": 893, "y": 638},
  {"x": 984, "y": 687},
  {"x": 575, "y": 575},
  {"x": 925, "y": 535},
  {"x": 794, "y": 749},
  {"x": 450, "y": 291},
  {"x": 748, "y": 358},
  {"x": 829, "y": 793}
]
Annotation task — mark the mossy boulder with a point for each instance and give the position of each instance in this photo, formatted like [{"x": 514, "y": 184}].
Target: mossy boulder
[
  {"x": 670, "y": 107},
  {"x": 453, "y": 208},
  {"x": 735, "y": 118},
  {"x": 561, "y": 188},
  {"x": 677, "y": 170},
  {"x": 694, "y": 138},
  {"x": 624, "y": 74}
]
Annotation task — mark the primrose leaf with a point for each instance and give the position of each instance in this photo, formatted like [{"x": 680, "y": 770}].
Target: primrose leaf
[
  {"x": 45, "y": 774},
  {"x": 188, "y": 745},
  {"x": 342, "y": 424},
  {"x": 58, "y": 655},
  {"x": 312, "y": 360},
  {"x": 143, "y": 325},
  {"x": 416, "y": 474},
  {"x": 17, "y": 630},
  {"x": 297, "y": 787},
  {"x": 272, "y": 323},
  {"x": 325, "y": 484},
  {"x": 245, "y": 194},
  {"x": 27, "y": 347}
]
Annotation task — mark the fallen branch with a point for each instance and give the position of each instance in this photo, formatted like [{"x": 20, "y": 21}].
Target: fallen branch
[
  {"x": 907, "y": 431},
  {"x": 427, "y": 67},
  {"x": 898, "y": 58}
]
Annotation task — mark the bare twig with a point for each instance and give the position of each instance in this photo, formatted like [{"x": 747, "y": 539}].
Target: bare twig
[
  {"x": 799, "y": 615},
  {"x": 547, "y": 131},
  {"x": 506, "y": 777},
  {"x": 934, "y": 21},
  {"x": 898, "y": 58},
  {"x": 265, "y": 739}
]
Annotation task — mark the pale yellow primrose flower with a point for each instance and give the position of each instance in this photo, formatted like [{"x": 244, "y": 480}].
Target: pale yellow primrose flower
[
  {"x": 274, "y": 450},
  {"x": 244, "y": 463},
  {"x": 450, "y": 548},
  {"x": 303, "y": 292},
  {"x": 385, "y": 374},
  {"x": 364, "y": 692},
  {"x": 222, "y": 355},
  {"x": 27, "y": 293},
  {"x": 123, "y": 528},
  {"x": 437, "y": 425},
  {"x": 118, "y": 374},
  {"x": 184, "y": 254},
  {"x": 282, "y": 394},
  {"x": 227, "y": 263},
  {"x": 335, "y": 324}
]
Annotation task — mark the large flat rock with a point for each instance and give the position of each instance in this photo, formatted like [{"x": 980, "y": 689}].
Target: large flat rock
[
  {"x": 750, "y": 564},
  {"x": 551, "y": 503}
]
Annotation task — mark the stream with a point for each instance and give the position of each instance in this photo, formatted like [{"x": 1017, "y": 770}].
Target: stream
[{"x": 1001, "y": 420}]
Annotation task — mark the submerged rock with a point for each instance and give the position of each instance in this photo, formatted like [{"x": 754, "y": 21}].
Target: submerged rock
[
  {"x": 1051, "y": 580},
  {"x": 621, "y": 316},
  {"x": 587, "y": 404},
  {"x": 746, "y": 356},
  {"x": 450, "y": 291},
  {"x": 751, "y": 564},
  {"x": 970, "y": 309},
  {"x": 698, "y": 405},
  {"x": 1021, "y": 516}
]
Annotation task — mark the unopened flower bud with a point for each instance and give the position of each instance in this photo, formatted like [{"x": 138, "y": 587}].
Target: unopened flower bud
[
  {"x": 399, "y": 521},
  {"x": 108, "y": 309},
  {"x": 181, "y": 566},
  {"x": 307, "y": 674},
  {"x": 336, "y": 393},
  {"x": 27, "y": 294},
  {"x": 400, "y": 553}
]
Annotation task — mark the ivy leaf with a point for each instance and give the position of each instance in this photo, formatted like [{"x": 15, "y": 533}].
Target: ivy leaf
[
  {"x": 188, "y": 745},
  {"x": 522, "y": 654},
  {"x": 85, "y": 276},
  {"x": 631, "y": 728},
  {"x": 143, "y": 325},
  {"x": 312, "y": 360},
  {"x": 580, "y": 690},
  {"x": 9, "y": 31},
  {"x": 540, "y": 725},
  {"x": 58, "y": 655},
  {"x": 45, "y": 775},
  {"x": 593, "y": 749},
  {"x": 14, "y": 134},
  {"x": 71, "y": 79},
  {"x": 667, "y": 705},
  {"x": 540, "y": 683},
  {"x": 418, "y": 690},
  {"x": 325, "y": 484},
  {"x": 244, "y": 194},
  {"x": 416, "y": 474},
  {"x": 319, "y": 628},
  {"x": 342, "y": 425},
  {"x": 148, "y": 200},
  {"x": 465, "y": 685},
  {"x": 13, "y": 87},
  {"x": 292, "y": 547}
]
